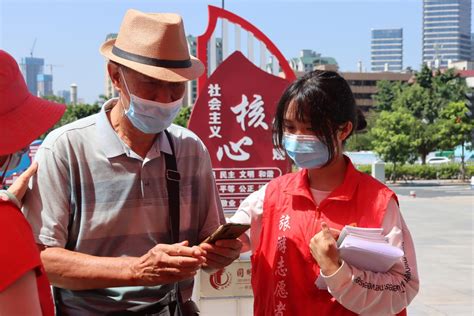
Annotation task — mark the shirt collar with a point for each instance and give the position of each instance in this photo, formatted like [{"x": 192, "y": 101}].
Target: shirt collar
[
  {"x": 163, "y": 144},
  {"x": 344, "y": 192},
  {"x": 111, "y": 143}
]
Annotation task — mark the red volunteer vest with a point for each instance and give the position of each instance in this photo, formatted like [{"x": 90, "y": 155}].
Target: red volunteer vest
[{"x": 283, "y": 269}]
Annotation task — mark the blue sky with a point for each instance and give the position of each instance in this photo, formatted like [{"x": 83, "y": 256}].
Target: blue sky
[{"x": 70, "y": 32}]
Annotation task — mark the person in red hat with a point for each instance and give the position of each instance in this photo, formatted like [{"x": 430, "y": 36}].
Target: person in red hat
[{"x": 23, "y": 117}]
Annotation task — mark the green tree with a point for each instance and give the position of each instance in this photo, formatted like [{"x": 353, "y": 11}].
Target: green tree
[
  {"x": 449, "y": 87},
  {"x": 73, "y": 113},
  {"x": 54, "y": 98},
  {"x": 362, "y": 140},
  {"x": 387, "y": 92},
  {"x": 392, "y": 137},
  {"x": 425, "y": 77},
  {"x": 417, "y": 100},
  {"x": 426, "y": 138},
  {"x": 456, "y": 127},
  {"x": 183, "y": 116},
  {"x": 425, "y": 100},
  {"x": 359, "y": 141},
  {"x": 419, "y": 103}
]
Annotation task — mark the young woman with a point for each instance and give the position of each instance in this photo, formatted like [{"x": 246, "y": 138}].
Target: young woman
[
  {"x": 24, "y": 287},
  {"x": 295, "y": 218}
]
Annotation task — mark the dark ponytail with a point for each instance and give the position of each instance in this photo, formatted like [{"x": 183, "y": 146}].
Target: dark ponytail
[{"x": 361, "y": 122}]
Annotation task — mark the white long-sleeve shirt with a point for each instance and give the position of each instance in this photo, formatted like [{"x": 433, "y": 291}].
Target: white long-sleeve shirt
[{"x": 363, "y": 292}]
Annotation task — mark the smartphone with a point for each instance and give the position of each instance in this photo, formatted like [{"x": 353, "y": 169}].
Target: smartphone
[{"x": 227, "y": 231}]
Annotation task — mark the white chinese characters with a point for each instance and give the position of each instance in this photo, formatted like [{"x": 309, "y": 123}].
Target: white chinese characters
[
  {"x": 254, "y": 112},
  {"x": 281, "y": 244},
  {"x": 234, "y": 151},
  {"x": 281, "y": 271},
  {"x": 214, "y": 91},
  {"x": 284, "y": 222}
]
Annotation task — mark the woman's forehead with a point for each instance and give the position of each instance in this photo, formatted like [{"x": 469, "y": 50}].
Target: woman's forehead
[{"x": 294, "y": 112}]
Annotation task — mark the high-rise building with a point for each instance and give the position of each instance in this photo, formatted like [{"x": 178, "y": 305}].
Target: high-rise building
[
  {"x": 31, "y": 67},
  {"x": 446, "y": 31},
  {"x": 110, "y": 91},
  {"x": 217, "y": 53},
  {"x": 386, "y": 50},
  {"x": 44, "y": 85},
  {"x": 472, "y": 46},
  {"x": 65, "y": 94},
  {"x": 191, "y": 86}
]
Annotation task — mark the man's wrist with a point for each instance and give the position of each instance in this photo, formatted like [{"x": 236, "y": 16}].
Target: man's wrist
[
  {"x": 9, "y": 197},
  {"x": 131, "y": 271}
]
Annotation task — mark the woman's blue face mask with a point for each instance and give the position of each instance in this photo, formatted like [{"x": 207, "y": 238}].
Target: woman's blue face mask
[{"x": 306, "y": 151}]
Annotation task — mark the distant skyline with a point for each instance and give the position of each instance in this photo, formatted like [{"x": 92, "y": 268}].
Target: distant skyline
[{"x": 70, "y": 32}]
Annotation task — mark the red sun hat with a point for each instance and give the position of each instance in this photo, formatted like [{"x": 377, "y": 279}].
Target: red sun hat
[{"x": 23, "y": 116}]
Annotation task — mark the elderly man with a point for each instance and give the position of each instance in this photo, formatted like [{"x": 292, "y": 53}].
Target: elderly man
[{"x": 137, "y": 193}]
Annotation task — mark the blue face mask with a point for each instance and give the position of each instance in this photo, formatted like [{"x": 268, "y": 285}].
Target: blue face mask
[
  {"x": 150, "y": 117},
  {"x": 306, "y": 151}
]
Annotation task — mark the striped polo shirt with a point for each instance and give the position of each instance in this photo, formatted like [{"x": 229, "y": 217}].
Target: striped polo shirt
[{"x": 94, "y": 195}]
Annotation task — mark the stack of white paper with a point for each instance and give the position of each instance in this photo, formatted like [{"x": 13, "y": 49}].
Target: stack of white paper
[{"x": 367, "y": 249}]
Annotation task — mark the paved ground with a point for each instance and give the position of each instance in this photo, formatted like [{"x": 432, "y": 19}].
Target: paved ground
[
  {"x": 441, "y": 219},
  {"x": 433, "y": 188}
]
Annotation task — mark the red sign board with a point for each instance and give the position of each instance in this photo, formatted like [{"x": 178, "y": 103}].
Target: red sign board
[{"x": 233, "y": 116}]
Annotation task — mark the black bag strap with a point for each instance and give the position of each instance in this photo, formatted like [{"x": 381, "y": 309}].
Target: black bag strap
[{"x": 172, "y": 182}]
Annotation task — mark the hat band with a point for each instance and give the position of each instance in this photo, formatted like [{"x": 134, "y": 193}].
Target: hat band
[{"x": 165, "y": 63}]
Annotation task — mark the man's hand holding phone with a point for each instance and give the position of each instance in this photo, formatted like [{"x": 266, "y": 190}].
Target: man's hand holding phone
[{"x": 222, "y": 247}]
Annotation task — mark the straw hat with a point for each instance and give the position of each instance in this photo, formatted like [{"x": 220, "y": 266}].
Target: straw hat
[
  {"x": 154, "y": 44},
  {"x": 23, "y": 117}
]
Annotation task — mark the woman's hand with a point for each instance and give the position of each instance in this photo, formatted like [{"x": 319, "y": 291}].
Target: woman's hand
[
  {"x": 323, "y": 247},
  {"x": 18, "y": 188}
]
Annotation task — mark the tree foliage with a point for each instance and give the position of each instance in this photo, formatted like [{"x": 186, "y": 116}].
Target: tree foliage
[
  {"x": 456, "y": 125},
  {"x": 392, "y": 137},
  {"x": 426, "y": 100},
  {"x": 183, "y": 116},
  {"x": 362, "y": 140},
  {"x": 54, "y": 98},
  {"x": 74, "y": 113},
  {"x": 387, "y": 92},
  {"x": 359, "y": 142},
  {"x": 425, "y": 77},
  {"x": 449, "y": 87}
]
